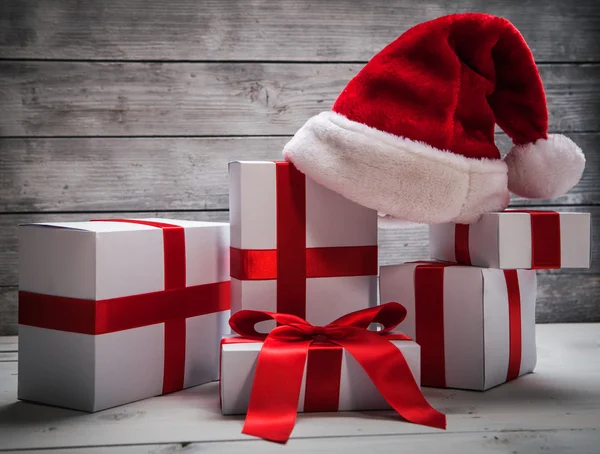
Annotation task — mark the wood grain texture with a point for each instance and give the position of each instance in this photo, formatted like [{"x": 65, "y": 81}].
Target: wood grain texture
[
  {"x": 197, "y": 99},
  {"x": 123, "y": 174},
  {"x": 583, "y": 441},
  {"x": 8, "y": 311},
  {"x": 562, "y": 395},
  {"x": 94, "y": 174},
  {"x": 9, "y": 344},
  {"x": 313, "y": 30},
  {"x": 8, "y": 356}
]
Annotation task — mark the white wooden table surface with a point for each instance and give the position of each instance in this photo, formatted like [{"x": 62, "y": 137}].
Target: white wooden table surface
[{"x": 555, "y": 410}]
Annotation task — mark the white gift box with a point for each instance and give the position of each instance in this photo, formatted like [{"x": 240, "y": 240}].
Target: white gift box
[
  {"x": 113, "y": 312},
  {"x": 472, "y": 334},
  {"x": 277, "y": 223},
  {"x": 356, "y": 390},
  {"x": 510, "y": 240}
]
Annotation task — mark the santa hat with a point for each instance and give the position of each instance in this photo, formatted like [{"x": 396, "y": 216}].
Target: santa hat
[{"x": 412, "y": 135}]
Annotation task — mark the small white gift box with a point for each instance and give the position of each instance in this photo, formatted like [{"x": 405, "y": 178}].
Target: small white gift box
[
  {"x": 516, "y": 240},
  {"x": 475, "y": 326},
  {"x": 297, "y": 247}
]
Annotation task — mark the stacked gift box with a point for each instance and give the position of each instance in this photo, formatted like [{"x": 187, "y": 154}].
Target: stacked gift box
[
  {"x": 302, "y": 255},
  {"x": 297, "y": 247},
  {"x": 472, "y": 308}
]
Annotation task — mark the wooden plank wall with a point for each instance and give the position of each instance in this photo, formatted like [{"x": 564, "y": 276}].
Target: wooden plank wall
[{"x": 134, "y": 107}]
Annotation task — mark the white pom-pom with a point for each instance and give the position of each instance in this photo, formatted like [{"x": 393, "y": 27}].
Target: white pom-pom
[{"x": 545, "y": 168}]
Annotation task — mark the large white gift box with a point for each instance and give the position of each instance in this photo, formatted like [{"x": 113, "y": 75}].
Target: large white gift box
[
  {"x": 516, "y": 240},
  {"x": 115, "y": 311},
  {"x": 352, "y": 388},
  {"x": 475, "y": 326},
  {"x": 297, "y": 247}
]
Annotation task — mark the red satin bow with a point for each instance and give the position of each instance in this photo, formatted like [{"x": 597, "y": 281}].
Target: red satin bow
[{"x": 280, "y": 367}]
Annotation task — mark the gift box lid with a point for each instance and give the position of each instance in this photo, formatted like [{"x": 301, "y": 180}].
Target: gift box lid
[
  {"x": 102, "y": 260},
  {"x": 105, "y": 225},
  {"x": 516, "y": 239}
]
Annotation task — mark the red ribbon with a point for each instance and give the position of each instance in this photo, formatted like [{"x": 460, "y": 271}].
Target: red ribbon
[
  {"x": 514, "y": 319},
  {"x": 292, "y": 263},
  {"x": 461, "y": 244},
  {"x": 252, "y": 264},
  {"x": 322, "y": 388},
  {"x": 280, "y": 366},
  {"x": 291, "y": 240},
  {"x": 175, "y": 277},
  {"x": 429, "y": 322},
  {"x": 171, "y": 307},
  {"x": 545, "y": 240}
]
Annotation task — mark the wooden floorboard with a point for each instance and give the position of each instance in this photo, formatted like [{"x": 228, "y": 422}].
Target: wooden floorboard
[
  {"x": 93, "y": 174},
  {"x": 8, "y": 356},
  {"x": 561, "y": 397},
  {"x": 9, "y": 343},
  {"x": 581, "y": 441},
  {"x": 311, "y": 30},
  {"x": 50, "y": 98}
]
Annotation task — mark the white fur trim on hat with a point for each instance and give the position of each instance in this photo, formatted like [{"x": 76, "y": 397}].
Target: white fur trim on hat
[
  {"x": 400, "y": 177},
  {"x": 387, "y": 222},
  {"x": 545, "y": 168}
]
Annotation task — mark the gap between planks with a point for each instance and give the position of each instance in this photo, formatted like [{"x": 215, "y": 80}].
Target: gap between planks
[{"x": 358, "y": 443}]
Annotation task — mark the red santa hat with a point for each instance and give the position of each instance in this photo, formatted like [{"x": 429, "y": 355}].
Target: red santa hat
[{"x": 412, "y": 134}]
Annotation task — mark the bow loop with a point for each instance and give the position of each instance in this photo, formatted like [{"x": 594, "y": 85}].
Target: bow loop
[
  {"x": 388, "y": 315},
  {"x": 244, "y": 322}
]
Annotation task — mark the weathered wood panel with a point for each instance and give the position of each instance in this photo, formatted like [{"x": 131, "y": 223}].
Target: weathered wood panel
[
  {"x": 8, "y": 311},
  {"x": 94, "y": 174},
  {"x": 314, "y": 30},
  {"x": 564, "y": 295},
  {"x": 581, "y": 441},
  {"x": 6, "y": 357},
  {"x": 191, "y": 99},
  {"x": 9, "y": 344},
  {"x": 123, "y": 174},
  {"x": 566, "y": 298}
]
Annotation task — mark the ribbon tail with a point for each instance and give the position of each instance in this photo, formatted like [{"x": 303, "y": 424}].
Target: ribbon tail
[
  {"x": 388, "y": 370},
  {"x": 276, "y": 390}
]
